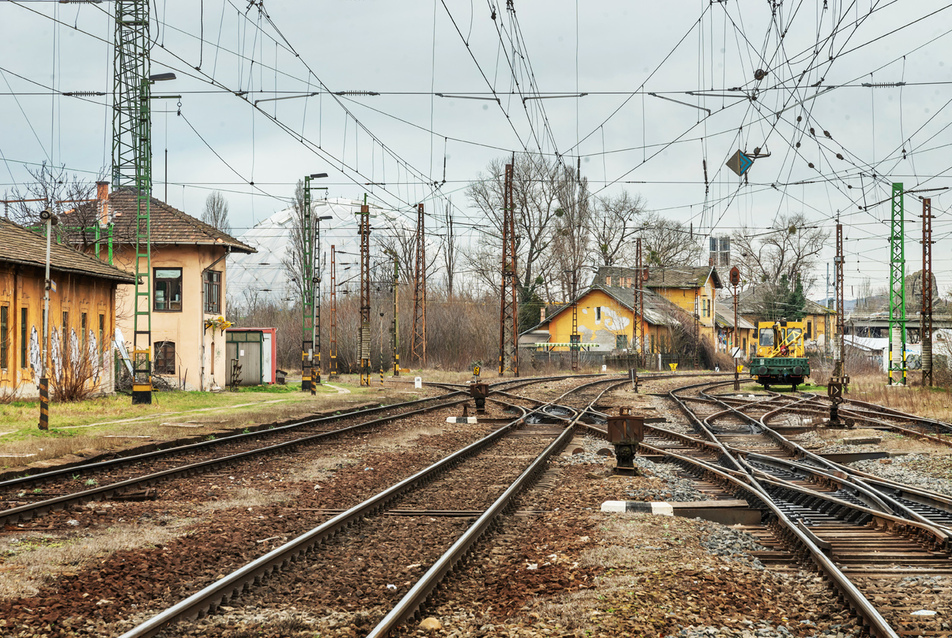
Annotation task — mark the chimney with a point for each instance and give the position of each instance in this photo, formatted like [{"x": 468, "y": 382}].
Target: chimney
[
  {"x": 102, "y": 200},
  {"x": 541, "y": 314}
]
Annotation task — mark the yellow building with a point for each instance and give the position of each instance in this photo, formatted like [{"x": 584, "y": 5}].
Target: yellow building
[
  {"x": 692, "y": 289},
  {"x": 187, "y": 287},
  {"x": 605, "y": 323},
  {"x": 82, "y": 314}
]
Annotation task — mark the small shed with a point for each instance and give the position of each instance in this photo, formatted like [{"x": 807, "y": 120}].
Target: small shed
[{"x": 255, "y": 350}]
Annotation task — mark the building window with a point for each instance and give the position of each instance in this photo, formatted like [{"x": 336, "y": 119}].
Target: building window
[
  {"x": 4, "y": 328},
  {"x": 65, "y": 323},
  {"x": 212, "y": 292},
  {"x": 621, "y": 342},
  {"x": 164, "y": 357},
  {"x": 168, "y": 290},
  {"x": 598, "y": 313},
  {"x": 82, "y": 326},
  {"x": 102, "y": 344},
  {"x": 809, "y": 330},
  {"x": 24, "y": 337}
]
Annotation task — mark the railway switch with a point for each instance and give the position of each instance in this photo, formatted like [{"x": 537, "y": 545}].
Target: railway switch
[
  {"x": 625, "y": 432},
  {"x": 479, "y": 392}
]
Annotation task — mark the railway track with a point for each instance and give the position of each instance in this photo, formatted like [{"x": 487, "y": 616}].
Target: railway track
[
  {"x": 483, "y": 477},
  {"x": 876, "y": 541}
]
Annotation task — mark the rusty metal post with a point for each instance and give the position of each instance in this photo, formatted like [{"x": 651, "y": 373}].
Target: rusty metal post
[
  {"x": 839, "y": 380},
  {"x": 418, "y": 340},
  {"x": 925, "y": 316},
  {"x": 574, "y": 338},
  {"x": 333, "y": 352},
  {"x": 508, "y": 307},
  {"x": 365, "y": 293},
  {"x": 637, "y": 309}
]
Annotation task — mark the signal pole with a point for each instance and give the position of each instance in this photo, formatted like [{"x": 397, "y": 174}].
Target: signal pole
[
  {"x": 333, "y": 352},
  {"x": 897, "y": 290},
  {"x": 395, "y": 327},
  {"x": 418, "y": 342},
  {"x": 637, "y": 307},
  {"x": 574, "y": 338},
  {"x": 132, "y": 167},
  {"x": 508, "y": 307},
  {"x": 735, "y": 281},
  {"x": 925, "y": 316},
  {"x": 365, "y": 293},
  {"x": 840, "y": 379}
]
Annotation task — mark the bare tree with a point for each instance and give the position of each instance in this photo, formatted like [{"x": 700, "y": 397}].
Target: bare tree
[
  {"x": 536, "y": 200},
  {"x": 668, "y": 243},
  {"x": 54, "y": 189},
  {"x": 571, "y": 239},
  {"x": 449, "y": 249},
  {"x": 791, "y": 249},
  {"x": 293, "y": 260},
  {"x": 216, "y": 212},
  {"x": 615, "y": 221}
]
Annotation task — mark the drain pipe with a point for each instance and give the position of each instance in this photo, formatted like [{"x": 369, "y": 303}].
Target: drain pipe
[{"x": 201, "y": 315}]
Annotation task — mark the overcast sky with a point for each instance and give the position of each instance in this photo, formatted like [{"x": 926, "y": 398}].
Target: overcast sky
[{"x": 699, "y": 59}]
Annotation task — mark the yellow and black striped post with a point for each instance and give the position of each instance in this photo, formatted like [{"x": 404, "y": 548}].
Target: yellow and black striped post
[{"x": 44, "y": 403}]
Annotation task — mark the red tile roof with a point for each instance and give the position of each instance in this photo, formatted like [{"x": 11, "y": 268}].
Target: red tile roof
[
  {"x": 168, "y": 225},
  {"x": 19, "y": 245}
]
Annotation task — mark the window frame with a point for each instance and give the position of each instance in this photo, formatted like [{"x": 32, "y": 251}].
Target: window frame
[
  {"x": 169, "y": 290},
  {"x": 4, "y": 341},
  {"x": 167, "y": 348},
  {"x": 24, "y": 339},
  {"x": 211, "y": 287}
]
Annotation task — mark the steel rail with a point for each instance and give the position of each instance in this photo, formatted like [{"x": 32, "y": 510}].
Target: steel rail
[
  {"x": 28, "y": 512},
  {"x": 264, "y": 431},
  {"x": 411, "y": 603},
  {"x": 867, "y": 612}
]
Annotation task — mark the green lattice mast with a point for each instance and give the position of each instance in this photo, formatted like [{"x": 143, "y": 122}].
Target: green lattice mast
[
  {"x": 897, "y": 290},
  {"x": 132, "y": 167}
]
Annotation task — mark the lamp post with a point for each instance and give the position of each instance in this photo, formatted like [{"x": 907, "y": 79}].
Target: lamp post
[
  {"x": 50, "y": 219},
  {"x": 316, "y": 324},
  {"x": 309, "y": 279}
]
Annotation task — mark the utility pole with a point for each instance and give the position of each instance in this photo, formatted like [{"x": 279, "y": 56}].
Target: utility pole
[
  {"x": 840, "y": 379},
  {"x": 132, "y": 167},
  {"x": 735, "y": 281},
  {"x": 333, "y": 352},
  {"x": 826, "y": 317},
  {"x": 365, "y": 293},
  {"x": 418, "y": 341},
  {"x": 310, "y": 275},
  {"x": 897, "y": 290},
  {"x": 925, "y": 316},
  {"x": 574, "y": 337},
  {"x": 318, "y": 268},
  {"x": 697, "y": 329},
  {"x": 395, "y": 327},
  {"x": 508, "y": 307}
]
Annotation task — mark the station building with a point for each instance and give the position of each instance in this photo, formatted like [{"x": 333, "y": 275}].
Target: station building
[
  {"x": 188, "y": 301},
  {"x": 82, "y": 314}
]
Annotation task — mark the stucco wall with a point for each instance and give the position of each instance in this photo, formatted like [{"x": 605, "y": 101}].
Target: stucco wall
[
  {"x": 194, "y": 344},
  {"x": 21, "y": 287}
]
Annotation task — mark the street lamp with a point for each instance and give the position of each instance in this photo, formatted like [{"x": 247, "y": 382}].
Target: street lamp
[
  {"x": 310, "y": 283},
  {"x": 50, "y": 219}
]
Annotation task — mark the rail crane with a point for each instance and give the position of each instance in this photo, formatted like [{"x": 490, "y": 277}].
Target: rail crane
[{"x": 780, "y": 358}]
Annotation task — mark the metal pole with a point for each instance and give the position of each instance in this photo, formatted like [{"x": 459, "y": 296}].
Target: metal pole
[
  {"x": 333, "y": 353},
  {"x": 307, "y": 290},
  {"x": 925, "y": 316},
  {"x": 897, "y": 289},
  {"x": 734, "y": 339},
  {"x": 395, "y": 330},
  {"x": 45, "y": 363},
  {"x": 365, "y": 293}
]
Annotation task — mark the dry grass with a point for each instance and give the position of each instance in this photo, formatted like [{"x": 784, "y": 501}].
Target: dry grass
[
  {"x": 321, "y": 469},
  {"x": 246, "y": 498},
  {"x": 29, "y": 560},
  {"x": 932, "y": 403},
  {"x": 110, "y": 423}
]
